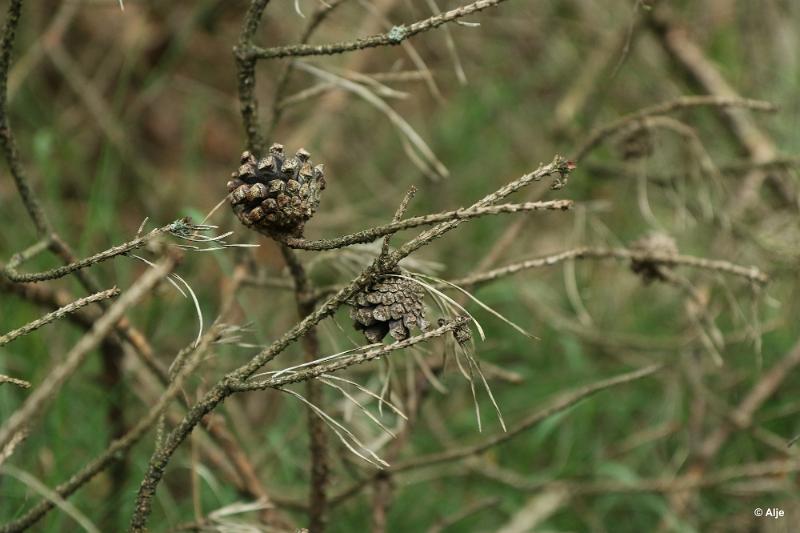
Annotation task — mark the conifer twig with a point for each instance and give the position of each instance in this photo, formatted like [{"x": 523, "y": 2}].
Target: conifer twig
[
  {"x": 57, "y": 314},
  {"x": 395, "y": 36},
  {"x": 752, "y": 273},
  {"x": 372, "y": 234},
  {"x": 50, "y": 386},
  {"x": 600, "y": 134}
]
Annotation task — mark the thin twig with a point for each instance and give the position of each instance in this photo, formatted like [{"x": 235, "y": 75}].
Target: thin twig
[
  {"x": 55, "y": 273},
  {"x": 246, "y": 75},
  {"x": 318, "y": 441},
  {"x": 395, "y": 36},
  {"x": 313, "y": 371},
  {"x": 701, "y": 71},
  {"x": 194, "y": 355},
  {"x": 8, "y": 450},
  {"x": 57, "y": 314},
  {"x": 15, "y": 381},
  {"x": 372, "y": 234},
  {"x": 752, "y": 273},
  {"x": 559, "y": 167},
  {"x": 7, "y": 141},
  {"x": 51, "y": 385},
  {"x": 465, "y": 512},
  {"x": 560, "y": 404},
  {"x": 279, "y": 102},
  {"x": 685, "y": 102},
  {"x": 401, "y": 210}
]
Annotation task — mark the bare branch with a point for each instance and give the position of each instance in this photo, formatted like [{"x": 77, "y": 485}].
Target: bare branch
[
  {"x": 559, "y": 167},
  {"x": 395, "y": 36},
  {"x": 701, "y": 71},
  {"x": 685, "y": 102},
  {"x": 560, "y": 404},
  {"x": 281, "y": 379},
  {"x": 318, "y": 441},
  {"x": 14, "y": 381},
  {"x": 246, "y": 74},
  {"x": 278, "y": 102},
  {"x": 7, "y": 140},
  {"x": 193, "y": 356},
  {"x": 372, "y": 234},
  {"x": 57, "y": 314},
  {"x": 51, "y": 385},
  {"x": 752, "y": 273},
  {"x": 178, "y": 228}
]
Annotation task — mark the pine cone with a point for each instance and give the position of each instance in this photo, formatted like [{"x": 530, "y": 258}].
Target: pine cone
[
  {"x": 657, "y": 243},
  {"x": 391, "y": 305},
  {"x": 276, "y": 194},
  {"x": 636, "y": 145}
]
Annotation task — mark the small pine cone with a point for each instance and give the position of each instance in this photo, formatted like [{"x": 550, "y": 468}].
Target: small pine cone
[
  {"x": 656, "y": 243},
  {"x": 636, "y": 145},
  {"x": 390, "y": 305},
  {"x": 276, "y": 194}
]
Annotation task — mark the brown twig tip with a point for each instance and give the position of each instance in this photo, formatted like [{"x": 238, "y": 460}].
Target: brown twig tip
[{"x": 564, "y": 168}]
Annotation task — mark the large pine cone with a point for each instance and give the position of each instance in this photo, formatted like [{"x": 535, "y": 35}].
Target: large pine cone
[
  {"x": 276, "y": 194},
  {"x": 656, "y": 243},
  {"x": 391, "y": 305}
]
